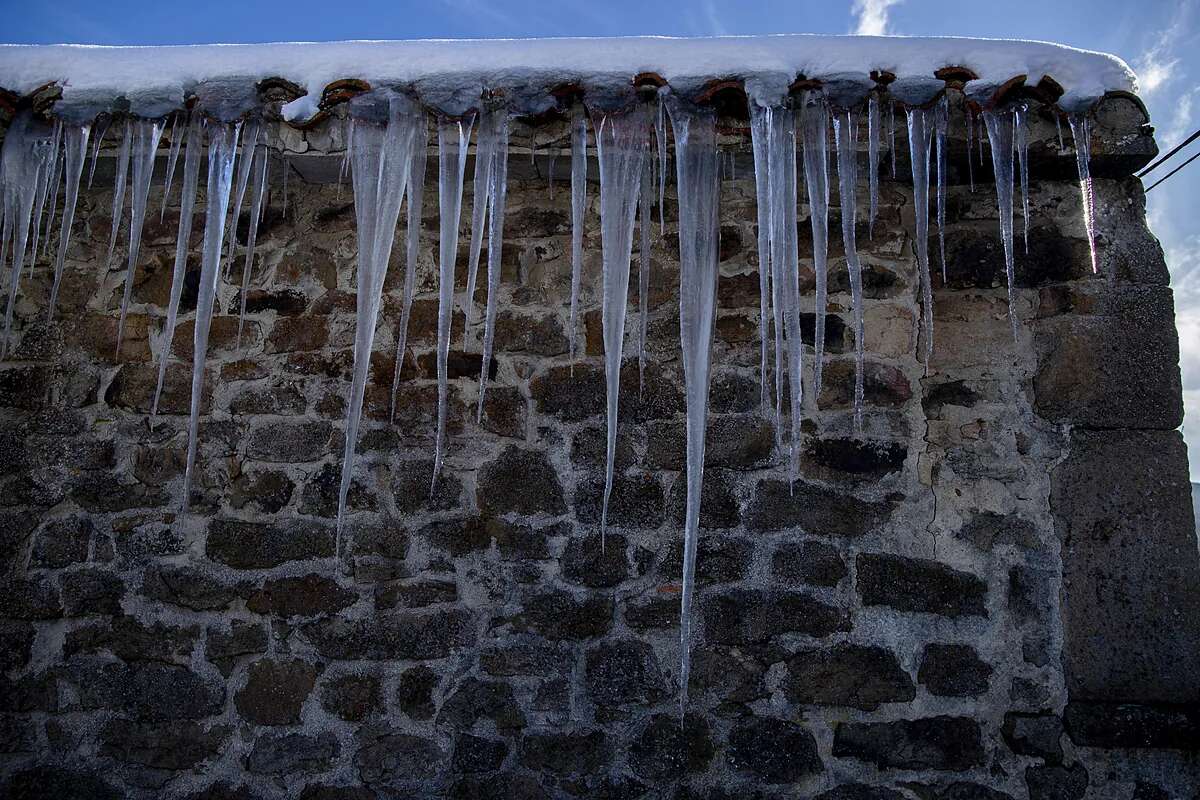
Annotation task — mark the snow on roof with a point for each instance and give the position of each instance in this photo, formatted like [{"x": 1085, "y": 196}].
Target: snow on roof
[{"x": 166, "y": 74}]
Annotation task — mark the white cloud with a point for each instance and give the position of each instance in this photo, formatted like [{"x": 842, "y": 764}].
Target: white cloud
[
  {"x": 1156, "y": 65},
  {"x": 871, "y": 16}
]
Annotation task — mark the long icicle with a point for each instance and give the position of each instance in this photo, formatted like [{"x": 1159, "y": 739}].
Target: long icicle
[
  {"x": 941, "y": 125},
  {"x": 1021, "y": 142},
  {"x": 578, "y": 205},
  {"x": 758, "y": 143},
  {"x": 660, "y": 137},
  {"x": 259, "y": 156},
  {"x": 103, "y": 131},
  {"x": 56, "y": 182},
  {"x": 382, "y": 158},
  {"x": 845, "y": 134},
  {"x": 814, "y": 122},
  {"x": 45, "y": 179},
  {"x": 146, "y": 136},
  {"x": 622, "y": 150},
  {"x": 412, "y": 249},
  {"x": 249, "y": 145},
  {"x": 177, "y": 137},
  {"x": 453, "y": 136},
  {"x": 1000, "y": 126},
  {"x": 485, "y": 162},
  {"x": 873, "y": 131},
  {"x": 222, "y": 146},
  {"x": 497, "y": 193},
  {"x": 696, "y": 171},
  {"x": 76, "y": 152},
  {"x": 187, "y": 205},
  {"x": 644, "y": 223},
  {"x": 119, "y": 189},
  {"x": 920, "y": 133},
  {"x": 25, "y": 156}
]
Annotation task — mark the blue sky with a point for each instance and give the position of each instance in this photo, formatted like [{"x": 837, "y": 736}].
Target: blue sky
[{"x": 1159, "y": 38}]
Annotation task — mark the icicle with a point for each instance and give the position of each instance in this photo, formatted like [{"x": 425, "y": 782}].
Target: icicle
[
  {"x": 1000, "y": 133},
  {"x": 644, "y": 223},
  {"x": 550, "y": 172},
  {"x": 345, "y": 156},
  {"x": 412, "y": 250},
  {"x": 249, "y": 145},
  {"x": 845, "y": 134},
  {"x": 1021, "y": 142},
  {"x": 286, "y": 171},
  {"x": 1081, "y": 132},
  {"x": 187, "y": 204},
  {"x": 785, "y": 278},
  {"x": 873, "y": 123},
  {"x": 941, "y": 124},
  {"x": 222, "y": 146},
  {"x": 814, "y": 122},
  {"x": 970, "y": 119},
  {"x": 96, "y": 149},
  {"x": 146, "y": 134},
  {"x": 920, "y": 131},
  {"x": 45, "y": 181},
  {"x": 1058, "y": 128},
  {"x": 75, "y": 146},
  {"x": 57, "y": 167},
  {"x": 660, "y": 137},
  {"x": 578, "y": 204},
  {"x": 259, "y": 157},
  {"x": 119, "y": 190},
  {"x": 25, "y": 157},
  {"x": 453, "y": 137},
  {"x": 892, "y": 134},
  {"x": 758, "y": 141},
  {"x": 699, "y": 195},
  {"x": 177, "y": 137},
  {"x": 497, "y": 193},
  {"x": 485, "y": 161},
  {"x": 622, "y": 159},
  {"x": 382, "y": 158}
]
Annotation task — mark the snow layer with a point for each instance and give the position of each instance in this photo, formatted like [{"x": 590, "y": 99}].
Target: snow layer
[{"x": 158, "y": 74}]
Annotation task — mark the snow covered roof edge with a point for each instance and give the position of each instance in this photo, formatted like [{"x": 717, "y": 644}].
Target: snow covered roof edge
[{"x": 166, "y": 74}]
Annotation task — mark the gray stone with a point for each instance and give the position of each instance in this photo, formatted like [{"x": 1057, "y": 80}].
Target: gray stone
[
  {"x": 986, "y": 529},
  {"x": 383, "y": 637},
  {"x": 1037, "y": 735},
  {"x": 938, "y": 743},
  {"x": 623, "y": 672},
  {"x": 398, "y": 761},
  {"x": 1056, "y": 782},
  {"x": 565, "y": 753},
  {"x": 919, "y": 585},
  {"x": 773, "y": 750},
  {"x": 291, "y": 753},
  {"x": 475, "y": 699},
  {"x": 848, "y": 675},
  {"x": 477, "y": 754},
  {"x": 1129, "y": 725},
  {"x": 754, "y": 616},
  {"x": 953, "y": 670},
  {"x": 812, "y": 563},
  {"x": 666, "y": 750},
  {"x": 170, "y": 746},
  {"x": 812, "y": 509}
]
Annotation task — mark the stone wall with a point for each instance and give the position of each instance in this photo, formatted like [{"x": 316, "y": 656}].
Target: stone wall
[{"x": 993, "y": 593}]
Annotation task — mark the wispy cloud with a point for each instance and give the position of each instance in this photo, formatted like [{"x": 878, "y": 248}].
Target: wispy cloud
[
  {"x": 871, "y": 16},
  {"x": 1156, "y": 65}
]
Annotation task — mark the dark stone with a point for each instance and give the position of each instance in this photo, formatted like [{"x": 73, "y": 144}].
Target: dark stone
[
  {"x": 414, "y": 691},
  {"x": 62, "y": 542},
  {"x": 519, "y": 481},
  {"x": 775, "y": 751},
  {"x": 30, "y": 599},
  {"x": 1056, "y": 782},
  {"x": 666, "y": 750},
  {"x": 637, "y": 500},
  {"x": 953, "y": 670},
  {"x": 91, "y": 591},
  {"x": 812, "y": 563},
  {"x": 514, "y": 540},
  {"x": 860, "y": 791},
  {"x": 754, "y": 616},
  {"x": 965, "y": 790},
  {"x": 852, "y": 459},
  {"x": 319, "y": 497},
  {"x": 275, "y": 690},
  {"x": 416, "y": 595},
  {"x": 317, "y": 791},
  {"x": 848, "y": 675},
  {"x": 659, "y": 612},
  {"x": 151, "y": 692},
  {"x": 285, "y": 400},
  {"x": 1122, "y": 509},
  {"x": 719, "y": 559},
  {"x": 42, "y": 783},
  {"x": 16, "y": 641},
  {"x": 131, "y": 640},
  {"x": 188, "y": 586},
  {"x": 170, "y": 746},
  {"x": 1129, "y": 725},
  {"x": 398, "y": 762},
  {"x": 586, "y": 562},
  {"x": 812, "y": 509},
  {"x": 942, "y": 743},
  {"x": 292, "y": 753},
  {"x": 476, "y": 699},
  {"x": 308, "y": 596},
  {"x": 883, "y": 385},
  {"x": 530, "y": 656},
  {"x": 950, "y": 393},
  {"x": 560, "y": 615},
  {"x": 268, "y": 490},
  {"x": 17, "y": 735},
  {"x": 292, "y": 442},
  {"x": 988, "y": 529},
  {"x": 477, "y": 754},
  {"x": 247, "y": 545},
  {"x": 919, "y": 585},
  {"x": 1037, "y": 735},
  {"x": 720, "y": 506},
  {"x": 502, "y": 786},
  {"x": 387, "y": 637},
  {"x": 411, "y": 482},
  {"x": 225, "y": 648},
  {"x": 565, "y": 752},
  {"x": 352, "y": 697},
  {"x": 623, "y": 672}
]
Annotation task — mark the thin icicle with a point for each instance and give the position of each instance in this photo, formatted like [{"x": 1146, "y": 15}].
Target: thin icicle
[
  {"x": 970, "y": 119},
  {"x": 920, "y": 132},
  {"x": 1000, "y": 134},
  {"x": 1081, "y": 132},
  {"x": 177, "y": 137},
  {"x": 412, "y": 250},
  {"x": 146, "y": 135},
  {"x": 119, "y": 189},
  {"x": 873, "y": 123},
  {"x": 814, "y": 122},
  {"x": 75, "y": 146},
  {"x": 845, "y": 134},
  {"x": 1021, "y": 142},
  {"x": 497, "y": 193},
  {"x": 96, "y": 148},
  {"x": 892, "y": 134},
  {"x": 45, "y": 181},
  {"x": 345, "y": 156},
  {"x": 187, "y": 204},
  {"x": 1058, "y": 128},
  {"x": 453, "y": 137},
  {"x": 58, "y": 168},
  {"x": 941, "y": 124},
  {"x": 259, "y": 156},
  {"x": 660, "y": 137},
  {"x": 382, "y": 159},
  {"x": 221, "y": 149},
  {"x": 578, "y": 204},
  {"x": 286, "y": 172},
  {"x": 644, "y": 223},
  {"x": 25, "y": 157},
  {"x": 249, "y": 145},
  {"x": 622, "y": 146},
  {"x": 699, "y": 196},
  {"x": 486, "y": 145},
  {"x": 758, "y": 141}
]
